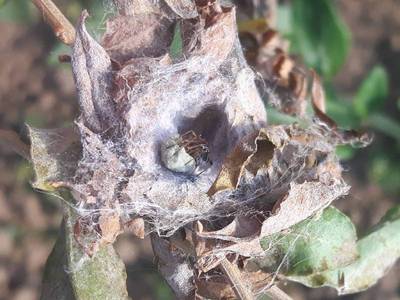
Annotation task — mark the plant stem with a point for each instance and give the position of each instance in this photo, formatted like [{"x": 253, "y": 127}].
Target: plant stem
[
  {"x": 62, "y": 28},
  {"x": 238, "y": 284},
  {"x": 276, "y": 293}
]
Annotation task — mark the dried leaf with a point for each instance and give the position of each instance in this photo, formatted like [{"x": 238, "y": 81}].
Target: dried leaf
[
  {"x": 356, "y": 138},
  {"x": 231, "y": 170},
  {"x": 253, "y": 26},
  {"x": 55, "y": 154},
  {"x": 241, "y": 228},
  {"x": 186, "y": 9},
  {"x": 216, "y": 39},
  {"x": 317, "y": 93},
  {"x": 215, "y": 287},
  {"x": 139, "y": 35},
  {"x": 282, "y": 68},
  {"x": 110, "y": 227},
  {"x": 261, "y": 157},
  {"x": 91, "y": 67},
  {"x": 251, "y": 154},
  {"x": 302, "y": 201},
  {"x": 136, "y": 227}
]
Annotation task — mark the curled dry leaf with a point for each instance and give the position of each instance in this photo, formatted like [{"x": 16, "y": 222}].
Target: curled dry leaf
[
  {"x": 317, "y": 94},
  {"x": 303, "y": 201},
  {"x": 267, "y": 52},
  {"x": 136, "y": 226},
  {"x": 92, "y": 72},
  {"x": 356, "y": 138},
  {"x": 55, "y": 154},
  {"x": 110, "y": 227},
  {"x": 251, "y": 154},
  {"x": 132, "y": 36},
  {"x": 215, "y": 37},
  {"x": 240, "y": 228}
]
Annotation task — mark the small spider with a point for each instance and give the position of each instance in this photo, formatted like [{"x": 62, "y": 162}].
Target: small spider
[{"x": 187, "y": 153}]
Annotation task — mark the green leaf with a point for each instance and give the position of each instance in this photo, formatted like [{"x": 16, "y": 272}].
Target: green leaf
[
  {"x": 372, "y": 93},
  {"x": 71, "y": 275},
  {"x": 58, "y": 49},
  {"x": 340, "y": 109},
  {"x": 345, "y": 152},
  {"x": 16, "y": 11},
  {"x": 284, "y": 20},
  {"x": 385, "y": 171},
  {"x": 378, "y": 251},
  {"x": 176, "y": 47},
  {"x": 325, "y": 242},
  {"x": 275, "y": 117},
  {"x": 384, "y": 124},
  {"x": 319, "y": 35},
  {"x": 2, "y": 2}
]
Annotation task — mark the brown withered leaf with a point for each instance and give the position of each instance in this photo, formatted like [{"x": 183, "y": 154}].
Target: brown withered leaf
[
  {"x": 354, "y": 137},
  {"x": 136, "y": 227},
  {"x": 317, "y": 93},
  {"x": 282, "y": 68},
  {"x": 253, "y": 152},
  {"x": 186, "y": 9},
  {"x": 262, "y": 155},
  {"x": 215, "y": 287},
  {"x": 268, "y": 53},
  {"x": 229, "y": 175},
  {"x": 298, "y": 83},
  {"x": 241, "y": 228},
  {"x": 55, "y": 154},
  {"x": 259, "y": 25},
  {"x": 110, "y": 227},
  {"x": 134, "y": 36},
  {"x": 91, "y": 67},
  {"x": 302, "y": 201},
  {"x": 214, "y": 35}
]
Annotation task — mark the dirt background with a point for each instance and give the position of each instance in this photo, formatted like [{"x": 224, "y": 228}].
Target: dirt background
[{"x": 33, "y": 92}]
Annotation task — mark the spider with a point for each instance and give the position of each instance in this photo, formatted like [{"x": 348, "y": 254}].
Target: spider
[
  {"x": 187, "y": 153},
  {"x": 196, "y": 147}
]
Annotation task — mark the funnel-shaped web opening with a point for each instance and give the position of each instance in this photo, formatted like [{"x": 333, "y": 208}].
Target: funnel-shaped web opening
[{"x": 213, "y": 125}]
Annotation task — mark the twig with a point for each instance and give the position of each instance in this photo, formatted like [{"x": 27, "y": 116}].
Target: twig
[
  {"x": 276, "y": 293},
  {"x": 238, "y": 284},
  {"x": 62, "y": 28}
]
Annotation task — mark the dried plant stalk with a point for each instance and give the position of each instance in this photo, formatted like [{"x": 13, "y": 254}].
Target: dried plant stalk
[
  {"x": 62, "y": 28},
  {"x": 239, "y": 286},
  {"x": 242, "y": 291},
  {"x": 276, "y": 293}
]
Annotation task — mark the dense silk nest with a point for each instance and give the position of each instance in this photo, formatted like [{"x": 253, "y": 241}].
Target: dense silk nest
[{"x": 130, "y": 166}]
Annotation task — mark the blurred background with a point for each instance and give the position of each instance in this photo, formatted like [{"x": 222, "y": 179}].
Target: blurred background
[{"x": 354, "y": 45}]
